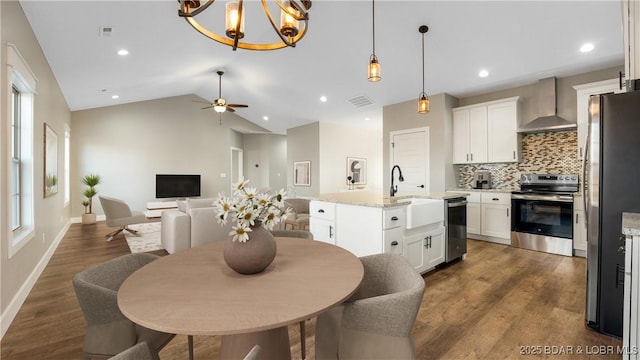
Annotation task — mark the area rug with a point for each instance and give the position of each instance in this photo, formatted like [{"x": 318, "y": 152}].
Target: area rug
[{"x": 148, "y": 239}]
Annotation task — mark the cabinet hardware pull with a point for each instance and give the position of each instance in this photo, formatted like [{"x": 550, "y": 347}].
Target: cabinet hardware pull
[
  {"x": 495, "y": 199},
  {"x": 514, "y": 154},
  {"x": 507, "y": 212},
  {"x": 330, "y": 231},
  {"x": 576, "y": 218},
  {"x": 471, "y": 156},
  {"x": 581, "y": 152},
  {"x": 467, "y": 157},
  {"x": 394, "y": 243},
  {"x": 321, "y": 211},
  {"x": 394, "y": 218}
]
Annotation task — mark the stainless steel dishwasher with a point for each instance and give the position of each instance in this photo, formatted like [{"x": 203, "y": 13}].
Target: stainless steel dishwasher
[{"x": 455, "y": 219}]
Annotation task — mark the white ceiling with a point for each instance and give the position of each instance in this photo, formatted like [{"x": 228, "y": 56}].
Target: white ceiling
[{"x": 518, "y": 42}]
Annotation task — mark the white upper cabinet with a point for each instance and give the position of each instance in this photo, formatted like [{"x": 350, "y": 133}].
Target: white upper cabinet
[
  {"x": 583, "y": 92},
  {"x": 486, "y": 132},
  {"x": 503, "y": 141}
]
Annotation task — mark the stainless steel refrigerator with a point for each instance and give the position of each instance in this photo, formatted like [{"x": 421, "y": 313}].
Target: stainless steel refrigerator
[{"x": 611, "y": 186}]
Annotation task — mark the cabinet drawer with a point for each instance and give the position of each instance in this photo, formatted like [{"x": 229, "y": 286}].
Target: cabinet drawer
[
  {"x": 496, "y": 198},
  {"x": 474, "y": 197},
  {"x": 393, "y": 241},
  {"x": 393, "y": 218},
  {"x": 322, "y": 210}
]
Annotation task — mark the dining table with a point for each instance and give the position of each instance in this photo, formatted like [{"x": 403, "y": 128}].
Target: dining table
[{"x": 194, "y": 292}]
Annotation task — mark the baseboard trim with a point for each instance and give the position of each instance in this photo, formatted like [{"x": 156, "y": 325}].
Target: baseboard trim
[
  {"x": 10, "y": 313},
  {"x": 78, "y": 220}
]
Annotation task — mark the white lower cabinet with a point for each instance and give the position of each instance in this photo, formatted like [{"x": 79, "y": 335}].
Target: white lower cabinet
[
  {"x": 425, "y": 249},
  {"x": 322, "y": 222},
  {"x": 496, "y": 220},
  {"x": 474, "y": 224},
  {"x": 489, "y": 216},
  {"x": 579, "y": 227}
]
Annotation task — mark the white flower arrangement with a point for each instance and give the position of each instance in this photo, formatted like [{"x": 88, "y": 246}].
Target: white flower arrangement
[{"x": 247, "y": 207}]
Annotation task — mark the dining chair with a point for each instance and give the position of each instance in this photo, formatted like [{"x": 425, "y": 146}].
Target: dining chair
[
  {"x": 118, "y": 214},
  {"x": 376, "y": 322},
  {"x": 109, "y": 332},
  {"x": 140, "y": 351},
  {"x": 302, "y": 234},
  {"x": 299, "y": 217}
]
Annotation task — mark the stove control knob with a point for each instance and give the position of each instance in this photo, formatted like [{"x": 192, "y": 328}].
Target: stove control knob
[
  {"x": 560, "y": 178},
  {"x": 574, "y": 178}
]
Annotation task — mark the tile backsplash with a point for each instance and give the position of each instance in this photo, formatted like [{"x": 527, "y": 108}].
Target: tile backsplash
[{"x": 549, "y": 153}]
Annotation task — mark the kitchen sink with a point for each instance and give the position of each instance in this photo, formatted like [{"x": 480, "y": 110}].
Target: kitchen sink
[{"x": 421, "y": 212}]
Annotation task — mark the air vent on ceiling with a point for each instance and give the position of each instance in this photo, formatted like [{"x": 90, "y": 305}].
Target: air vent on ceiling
[
  {"x": 360, "y": 101},
  {"x": 105, "y": 31}
]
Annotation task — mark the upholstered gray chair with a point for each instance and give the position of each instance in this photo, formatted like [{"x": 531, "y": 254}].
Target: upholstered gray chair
[
  {"x": 109, "y": 332},
  {"x": 302, "y": 234},
  {"x": 119, "y": 215},
  {"x": 299, "y": 218},
  {"x": 140, "y": 351},
  {"x": 376, "y": 322},
  {"x": 254, "y": 354}
]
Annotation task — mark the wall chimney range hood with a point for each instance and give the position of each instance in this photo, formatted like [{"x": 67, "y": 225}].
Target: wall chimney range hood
[{"x": 547, "y": 120}]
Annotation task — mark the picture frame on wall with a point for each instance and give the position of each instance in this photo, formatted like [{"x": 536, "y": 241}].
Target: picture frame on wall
[
  {"x": 50, "y": 161},
  {"x": 302, "y": 173},
  {"x": 356, "y": 171}
]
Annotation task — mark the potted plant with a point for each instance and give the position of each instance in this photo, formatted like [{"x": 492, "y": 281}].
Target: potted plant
[{"x": 91, "y": 181}]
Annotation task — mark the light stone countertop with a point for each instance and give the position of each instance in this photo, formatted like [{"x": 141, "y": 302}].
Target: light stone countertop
[
  {"x": 378, "y": 199},
  {"x": 504, "y": 190},
  {"x": 631, "y": 224}
]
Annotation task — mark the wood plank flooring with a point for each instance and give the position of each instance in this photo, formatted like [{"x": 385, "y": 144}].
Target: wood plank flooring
[{"x": 499, "y": 303}]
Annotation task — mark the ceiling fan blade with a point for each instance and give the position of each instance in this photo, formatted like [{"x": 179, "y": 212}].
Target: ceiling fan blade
[
  {"x": 238, "y": 105},
  {"x": 230, "y": 109},
  {"x": 207, "y": 107}
]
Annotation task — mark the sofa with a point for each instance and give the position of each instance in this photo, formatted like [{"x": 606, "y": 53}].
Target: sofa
[{"x": 192, "y": 224}]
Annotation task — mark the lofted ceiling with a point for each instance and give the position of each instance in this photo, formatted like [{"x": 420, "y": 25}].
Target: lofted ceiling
[{"x": 517, "y": 42}]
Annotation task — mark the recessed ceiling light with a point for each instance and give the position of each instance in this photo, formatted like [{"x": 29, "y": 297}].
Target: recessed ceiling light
[
  {"x": 265, "y": 118},
  {"x": 323, "y": 98},
  {"x": 115, "y": 96},
  {"x": 123, "y": 52},
  {"x": 366, "y": 119},
  {"x": 586, "y": 47},
  {"x": 483, "y": 73}
]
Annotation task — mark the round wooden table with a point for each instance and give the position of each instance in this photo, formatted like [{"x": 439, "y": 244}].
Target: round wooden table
[{"x": 194, "y": 292}]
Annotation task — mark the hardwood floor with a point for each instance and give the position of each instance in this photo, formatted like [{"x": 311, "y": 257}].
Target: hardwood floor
[{"x": 499, "y": 303}]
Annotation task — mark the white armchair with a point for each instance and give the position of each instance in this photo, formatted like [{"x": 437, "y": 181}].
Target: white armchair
[
  {"x": 193, "y": 224},
  {"x": 119, "y": 215}
]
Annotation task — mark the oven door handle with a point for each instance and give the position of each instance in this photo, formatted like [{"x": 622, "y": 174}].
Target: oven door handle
[{"x": 549, "y": 197}]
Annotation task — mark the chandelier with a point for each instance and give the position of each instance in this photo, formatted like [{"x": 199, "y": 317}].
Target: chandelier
[{"x": 294, "y": 18}]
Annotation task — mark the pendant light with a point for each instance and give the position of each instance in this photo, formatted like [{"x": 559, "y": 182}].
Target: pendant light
[
  {"x": 374, "y": 65},
  {"x": 423, "y": 101}
]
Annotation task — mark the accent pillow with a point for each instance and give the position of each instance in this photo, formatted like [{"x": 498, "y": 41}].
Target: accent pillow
[
  {"x": 199, "y": 203},
  {"x": 182, "y": 205}
]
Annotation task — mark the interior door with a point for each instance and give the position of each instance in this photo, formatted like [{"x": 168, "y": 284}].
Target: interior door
[
  {"x": 236, "y": 165},
  {"x": 410, "y": 151}
]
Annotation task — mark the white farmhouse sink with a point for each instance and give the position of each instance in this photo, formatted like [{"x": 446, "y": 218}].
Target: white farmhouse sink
[{"x": 421, "y": 212}]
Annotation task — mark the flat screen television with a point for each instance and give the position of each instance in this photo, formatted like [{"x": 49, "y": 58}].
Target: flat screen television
[{"x": 177, "y": 185}]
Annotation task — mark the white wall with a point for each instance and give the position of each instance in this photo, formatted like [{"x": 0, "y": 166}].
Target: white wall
[
  {"x": 265, "y": 160},
  {"x": 19, "y": 273},
  {"x": 127, "y": 145},
  {"x": 337, "y": 142}
]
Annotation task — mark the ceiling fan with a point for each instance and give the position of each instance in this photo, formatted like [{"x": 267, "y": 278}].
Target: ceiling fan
[{"x": 220, "y": 105}]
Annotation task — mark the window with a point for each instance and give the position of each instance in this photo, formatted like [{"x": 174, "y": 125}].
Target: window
[
  {"x": 67, "y": 166},
  {"x": 21, "y": 173},
  {"x": 16, "y": 219}
]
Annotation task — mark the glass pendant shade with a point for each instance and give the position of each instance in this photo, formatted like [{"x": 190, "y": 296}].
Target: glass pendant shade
[
  {"x": 219, "y": 109},
  {"x": 374, "y": 69},
  {"x": 232, "y": 17},
  {"x": 423, "y": 104},
  {"x": 288, "y": 23}
]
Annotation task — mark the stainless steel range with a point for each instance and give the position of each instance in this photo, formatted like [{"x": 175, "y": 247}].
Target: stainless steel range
[{"x": 542, "y": 213}]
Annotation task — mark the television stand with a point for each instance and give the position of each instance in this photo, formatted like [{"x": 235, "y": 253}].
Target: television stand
[{"x": 155, "y": 208}]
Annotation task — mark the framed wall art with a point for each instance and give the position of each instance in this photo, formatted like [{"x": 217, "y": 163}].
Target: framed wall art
[
  {"x": 356, "y": 171},
  {"x": 50, "y": 161},
  {"x": 302, "y": 173}
]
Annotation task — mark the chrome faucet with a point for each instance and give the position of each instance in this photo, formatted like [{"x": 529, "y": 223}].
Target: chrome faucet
[{"x": 394, "y": 189}]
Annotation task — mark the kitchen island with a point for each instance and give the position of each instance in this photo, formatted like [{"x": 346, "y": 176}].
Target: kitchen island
[{"x": 367, "y": 222}]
